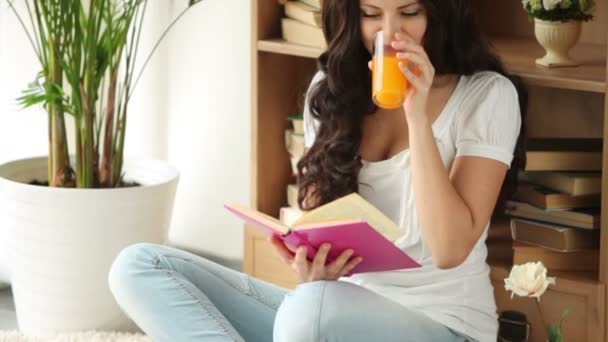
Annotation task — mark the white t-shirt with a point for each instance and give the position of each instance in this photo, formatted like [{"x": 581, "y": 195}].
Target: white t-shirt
[{"x": 481, "y": 118}]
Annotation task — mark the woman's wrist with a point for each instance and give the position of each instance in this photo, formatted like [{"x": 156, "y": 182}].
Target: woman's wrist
[{"x": 417, "y": 121}]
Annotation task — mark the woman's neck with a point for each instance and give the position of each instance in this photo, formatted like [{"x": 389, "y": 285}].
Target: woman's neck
[{"x": 442, "y": 81}]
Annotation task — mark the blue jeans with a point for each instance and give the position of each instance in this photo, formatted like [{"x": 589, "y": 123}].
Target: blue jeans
[{"x": 174, "y": 295}]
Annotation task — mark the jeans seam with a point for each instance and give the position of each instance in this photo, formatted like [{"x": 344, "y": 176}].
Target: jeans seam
[
  {"x": 236, "y": 287},
  {"x": 318, "y": 323},
  {"x": 218, "y": 320}
]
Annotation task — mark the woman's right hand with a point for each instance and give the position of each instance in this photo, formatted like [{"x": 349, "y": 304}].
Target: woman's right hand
[{"x": 316, "y": 270}]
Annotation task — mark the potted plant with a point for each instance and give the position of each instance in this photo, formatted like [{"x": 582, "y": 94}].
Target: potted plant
[
  {"x": 64, "y": 217},
  {"x": 557, "y": 27},
  {"x": 531, "y": 280}
]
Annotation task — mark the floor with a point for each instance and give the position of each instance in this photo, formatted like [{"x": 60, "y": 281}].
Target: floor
[{"x": 8, "y": 320}]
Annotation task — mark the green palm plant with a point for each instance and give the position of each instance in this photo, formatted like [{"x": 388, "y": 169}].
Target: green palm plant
[{"x": 87, "y": 52}]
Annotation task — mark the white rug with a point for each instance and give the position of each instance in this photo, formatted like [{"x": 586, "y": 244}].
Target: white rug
[{"x": 88, "y": 336}]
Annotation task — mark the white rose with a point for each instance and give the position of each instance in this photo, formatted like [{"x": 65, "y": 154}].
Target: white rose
[
  {"x": 528, "y": 280},
  {"x": 550, "y": 4}
]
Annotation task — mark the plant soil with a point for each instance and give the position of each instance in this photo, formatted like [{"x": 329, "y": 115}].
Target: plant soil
[{"x": 123, "y": 184}]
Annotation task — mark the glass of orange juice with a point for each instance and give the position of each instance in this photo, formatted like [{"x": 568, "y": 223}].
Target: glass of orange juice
[{"x": 389, "y": 85}]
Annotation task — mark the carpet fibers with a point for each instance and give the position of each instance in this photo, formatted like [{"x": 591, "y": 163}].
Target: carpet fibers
[{"x": 88, "y": 336}]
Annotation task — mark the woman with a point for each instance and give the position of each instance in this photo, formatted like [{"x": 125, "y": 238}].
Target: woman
[{"x": 436, "y": 167}]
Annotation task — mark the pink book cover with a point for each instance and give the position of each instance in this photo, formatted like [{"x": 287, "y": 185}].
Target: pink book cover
[{"x": 378, "y": 253}]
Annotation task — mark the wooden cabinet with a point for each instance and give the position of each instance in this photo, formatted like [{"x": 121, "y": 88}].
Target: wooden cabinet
[
  {"x": 569, "y": 102},
  {"x": 581, "y": 292}
]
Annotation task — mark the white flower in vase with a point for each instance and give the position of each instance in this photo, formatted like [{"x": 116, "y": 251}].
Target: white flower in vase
[{"x": 550, "y": 4}]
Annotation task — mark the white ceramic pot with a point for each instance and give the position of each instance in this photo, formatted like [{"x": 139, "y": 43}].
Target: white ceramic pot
[
  {"x": 61, "y": 242},
  {"x": 557, "y": 38}
]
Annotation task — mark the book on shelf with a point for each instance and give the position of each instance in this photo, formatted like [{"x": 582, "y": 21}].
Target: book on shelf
[
  {"x": 316, "y": 4},
  {"x": 546, "y": 198},
  {"x": 292, "y": 195},
  {"x": 500, "y": 251},
  {"x": 564, "y": 155},
  {"x": 578, "y": 260},
  {"x": 500, "y": 229},
  {"x": 288, "y": 134},
  {"x": 294, "y": 165},
  {"x": 349, "y": 222},
  {"x": 298, "y": 123},
  {"x": 304, "y": 13},
  {"x": 586, "y": 218},
  {"x": 499, "y": 243},
  {"x": 571, "y": 183},
  {"x": 289, "y": 215},
  {"x": 554, "y": 237},
  {"x": 294, "y": 144},
  {"x": 299, "y": 33}
]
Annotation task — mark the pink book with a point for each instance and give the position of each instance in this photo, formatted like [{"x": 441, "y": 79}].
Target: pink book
[{"x": 345, "y": 223}]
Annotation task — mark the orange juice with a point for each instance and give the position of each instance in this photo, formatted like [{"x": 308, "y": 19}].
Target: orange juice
[{"x": 389, "y": 85}]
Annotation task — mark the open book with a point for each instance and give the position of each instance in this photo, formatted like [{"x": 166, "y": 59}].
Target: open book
[{"x": 348, "y": 222}]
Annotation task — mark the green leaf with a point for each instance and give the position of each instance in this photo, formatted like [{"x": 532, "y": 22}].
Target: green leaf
[
  {"x": 566, "y": 313},
  {"x": 574, "y": 11},
  {"x": 554, "y": 333},
  {"x": 79, "y": 49}
]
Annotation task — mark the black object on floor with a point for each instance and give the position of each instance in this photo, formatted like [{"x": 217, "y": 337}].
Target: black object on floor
[{"x": 513, "y": 326}]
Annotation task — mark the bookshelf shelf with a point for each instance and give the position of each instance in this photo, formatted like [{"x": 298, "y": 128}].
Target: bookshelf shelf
[
  {"x": 519, "y": 56},
  {"x": 283, "y": 47}
]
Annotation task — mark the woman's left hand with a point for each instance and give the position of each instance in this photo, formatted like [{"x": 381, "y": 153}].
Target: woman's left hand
[
  {"x": 418, "y": 70},
  {"x": 318, "y": 269}
]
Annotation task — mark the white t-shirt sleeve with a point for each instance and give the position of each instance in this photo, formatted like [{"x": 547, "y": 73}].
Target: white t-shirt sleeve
[
  {"x": 490, "y": 126},
  {"x": 311, "y": 125}
]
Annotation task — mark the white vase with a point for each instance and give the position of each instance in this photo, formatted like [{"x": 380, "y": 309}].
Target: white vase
[
  {"x": 557, "y": 38},
  {"x": 61, "y": 242}
]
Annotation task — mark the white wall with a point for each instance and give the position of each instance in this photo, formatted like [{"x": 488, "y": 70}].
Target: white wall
[
  {"x": 209, "y": 126},
  {"x": 192, "y": 108},
  {"x": 22, "y": 131}
]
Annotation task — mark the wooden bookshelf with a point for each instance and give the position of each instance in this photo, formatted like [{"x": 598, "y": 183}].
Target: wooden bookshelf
[
  {"x": 280, "y": 46},
  {"x": 565, "y": 102},
  {"x": 517, "y": 54}
]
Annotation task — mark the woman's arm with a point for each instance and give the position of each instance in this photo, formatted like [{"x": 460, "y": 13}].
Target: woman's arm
[{"x": 453, "y": 207}]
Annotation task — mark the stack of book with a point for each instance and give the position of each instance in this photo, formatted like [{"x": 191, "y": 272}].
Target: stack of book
[
  {"x": 292, "y": 211},
  {"x": 294, "y": 143},
  {"x": 499, "y": 241},
  {"x": 302, "y": 23},
  {"x": 555, "y": 214}
]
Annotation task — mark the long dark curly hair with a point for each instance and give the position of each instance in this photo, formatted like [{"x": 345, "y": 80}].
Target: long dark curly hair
[{"x": 341, "y": 100}]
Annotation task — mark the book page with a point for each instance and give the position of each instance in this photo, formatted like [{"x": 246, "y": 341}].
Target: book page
[
  {"x": 352, "y": 207},
  {"x": 259, "y": 218}
]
